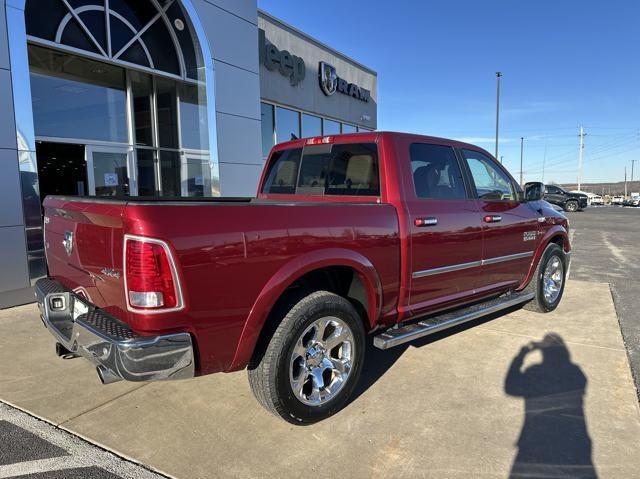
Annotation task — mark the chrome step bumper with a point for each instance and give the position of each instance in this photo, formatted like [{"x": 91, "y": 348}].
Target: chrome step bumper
[
  {"x": 116, "y": 350},
  {"x": 409, "y": 332}
]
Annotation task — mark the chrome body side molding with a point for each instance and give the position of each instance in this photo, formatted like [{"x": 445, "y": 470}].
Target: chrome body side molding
[{"x": 472, "y": 264}]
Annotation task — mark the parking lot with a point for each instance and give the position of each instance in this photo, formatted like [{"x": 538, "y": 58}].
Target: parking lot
[
  {"x": 607, "y": 249},
  {"x": 521, "y": 394}
]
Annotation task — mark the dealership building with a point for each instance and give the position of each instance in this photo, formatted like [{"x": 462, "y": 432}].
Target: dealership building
[{"x": 153, "y": 98}]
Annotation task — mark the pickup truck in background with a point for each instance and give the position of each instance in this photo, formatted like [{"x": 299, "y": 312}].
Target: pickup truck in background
[
  {"x": 395, "y": 236},
  {"x": 566, "y": 200}
]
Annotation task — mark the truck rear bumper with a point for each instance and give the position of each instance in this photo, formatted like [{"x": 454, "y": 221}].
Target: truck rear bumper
[{"x": 118, "y": 353}]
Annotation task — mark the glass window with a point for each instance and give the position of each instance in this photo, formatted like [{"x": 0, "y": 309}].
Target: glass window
[
  {"x": 287, "y": 125},
  {"x": 311, "y": 126},
  {"x": 77, "y": 98},
  {"x": 436, "y": 173},
  {"x": 194, "y": 125},
  {"x": 170, "y": 173},
  {"x": 160, "y": 45},
  {"x": 110, "y": 173},
  {"x": 347, "y": 169},
  {"x": 346, "y": 128},
  {"x": 142, "y": 89},
  {"x": 167, "y": 102},
  {"x": 491, "y": 182},
  {"x": 331, "y": 127},
  {"x": 283, "y": 172},
  {"x": 146, "y": 173},
  {"x": 266, "y": 114},
  {"x": 353, "y": 170},
  {"x": 198, "y": 177}
]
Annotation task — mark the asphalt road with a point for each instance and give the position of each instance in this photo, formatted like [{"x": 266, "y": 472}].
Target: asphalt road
[
  {"x": 33, "y": 449},
  {"x": 606, "y": 248}
]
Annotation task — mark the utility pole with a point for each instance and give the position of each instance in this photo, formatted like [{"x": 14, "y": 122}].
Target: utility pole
[
  {"x": 501, "y": 158},
  {"x": 625, "y": 181},
  {"x": 582, "y": 135},
  {"x": 544, "y": 158},
  {"x": 498, "y": 76},
  {"x": 521, "y": 158},
  {"x": 632, "y": 163}
]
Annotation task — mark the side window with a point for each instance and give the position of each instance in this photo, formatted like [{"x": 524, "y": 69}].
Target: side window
[
  {"x": 283, "y": 172},
  {"x": 436, "y": 173},
  {"x": 552, "y": 190},
  {"x": 492, "y": 183}
]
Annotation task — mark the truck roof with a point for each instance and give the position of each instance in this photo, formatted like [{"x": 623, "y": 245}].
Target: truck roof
[{"x": 373, "y": 136}]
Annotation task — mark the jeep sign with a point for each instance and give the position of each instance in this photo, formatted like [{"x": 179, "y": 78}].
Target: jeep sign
[{"x": 287, "y": 64}]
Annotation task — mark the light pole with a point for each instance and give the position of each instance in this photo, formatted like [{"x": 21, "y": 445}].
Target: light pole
[
  {"x": 498, "y": 76},
  {"x": 521, "y": 157}
]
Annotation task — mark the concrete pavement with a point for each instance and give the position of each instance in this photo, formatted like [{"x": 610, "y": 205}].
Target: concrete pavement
[{"x": 456, "y": 405}]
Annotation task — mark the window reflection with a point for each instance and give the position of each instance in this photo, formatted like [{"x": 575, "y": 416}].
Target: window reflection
[
  {"x": 331, "y": 127},
  {"x": 110, "y": 173},
  {"x": 167, "y": 102},
  {"x": 146, "y": 173},
  {"x": 77, "y": 98},
  {"x": 170, "y": 173},
  {"x": 198, "y": 177},
  {"x": 287, "y": 125},
  {"x": 193, "y": 117},
  {"x": 142, "y": 90},
  {"x": 266, "y": 114},
  {"x": 311, "y": 126}
]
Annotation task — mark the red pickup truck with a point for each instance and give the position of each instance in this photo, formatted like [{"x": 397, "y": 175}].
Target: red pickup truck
[{"x": 390, "y": 235}]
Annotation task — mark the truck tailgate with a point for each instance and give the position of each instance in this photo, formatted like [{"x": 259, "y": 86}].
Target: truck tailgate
[{"x": 83, "y": 241}]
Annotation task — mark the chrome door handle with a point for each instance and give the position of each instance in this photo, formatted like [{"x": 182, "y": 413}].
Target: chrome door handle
[
  {"x": 430, "y": 221},
  {"x": 492, "y": 219}
]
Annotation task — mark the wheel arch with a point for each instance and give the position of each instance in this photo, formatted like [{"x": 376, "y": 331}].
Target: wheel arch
[
  {"x": 556, "y": 234},
  {"x": 317, "y": 268}
]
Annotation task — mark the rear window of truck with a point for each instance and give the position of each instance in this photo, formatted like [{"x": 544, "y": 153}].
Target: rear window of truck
[{"x": 349, "y": 169}]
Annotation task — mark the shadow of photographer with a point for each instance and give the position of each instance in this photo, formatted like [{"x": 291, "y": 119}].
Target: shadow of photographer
[{"x": 554, "y": 441}]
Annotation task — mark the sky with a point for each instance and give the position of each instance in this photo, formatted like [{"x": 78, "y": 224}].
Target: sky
[{"x": 565, "y": 64}]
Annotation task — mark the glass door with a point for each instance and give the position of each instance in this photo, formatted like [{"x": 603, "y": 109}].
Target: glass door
[
  {"x": 196, "y": 174},
  {"x": 110, "y": 170}
]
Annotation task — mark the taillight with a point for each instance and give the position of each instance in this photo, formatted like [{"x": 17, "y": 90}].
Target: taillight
[
  {"x": 151, "y": 279},
  {"x": 319, "y": 140}
]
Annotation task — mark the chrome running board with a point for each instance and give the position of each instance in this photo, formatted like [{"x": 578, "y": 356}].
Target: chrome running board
[{"x": 408, "y": 332}]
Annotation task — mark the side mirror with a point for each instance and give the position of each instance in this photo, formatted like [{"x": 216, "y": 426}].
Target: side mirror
[{"x": 533, "y": 191}]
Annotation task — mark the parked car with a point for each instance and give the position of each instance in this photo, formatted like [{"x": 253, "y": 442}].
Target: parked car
[
  {"x": 390, "y": 235},
  {"x": 564, "y": 199},
  {"x": 632, "y": 201},
  {"x": 617, "y": 200},
  {"x": 597, "y": 200}
]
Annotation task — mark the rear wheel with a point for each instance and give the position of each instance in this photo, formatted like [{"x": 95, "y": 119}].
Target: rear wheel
[
  {"x": 571, "y": 206},
  {"x": 310, "y": 366},
  {"x": 548, "y": 282}
]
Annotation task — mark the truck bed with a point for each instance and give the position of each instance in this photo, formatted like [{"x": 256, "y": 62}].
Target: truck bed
[{"x": 229, "y": 253}]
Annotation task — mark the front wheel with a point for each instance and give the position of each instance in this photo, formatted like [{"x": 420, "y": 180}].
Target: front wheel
[
  {"x": 548, "y": 281},
  {"x": 571, "y": 206},
  {"x": 311, "y": 364}
]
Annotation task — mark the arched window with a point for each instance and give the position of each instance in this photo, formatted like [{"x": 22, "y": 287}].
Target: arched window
[{"x": 152, "y": 34}]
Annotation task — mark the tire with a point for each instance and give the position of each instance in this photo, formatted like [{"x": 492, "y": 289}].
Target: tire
[
  {"x": 571, "y": 206},
  {"x": 542, "y": 303},
  {"x": 309, "y": 327}
]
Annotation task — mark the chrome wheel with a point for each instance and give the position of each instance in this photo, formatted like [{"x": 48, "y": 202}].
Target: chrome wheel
[
  {"x": 552, "y": 279},
  {"x": 321, "y": 361}
]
